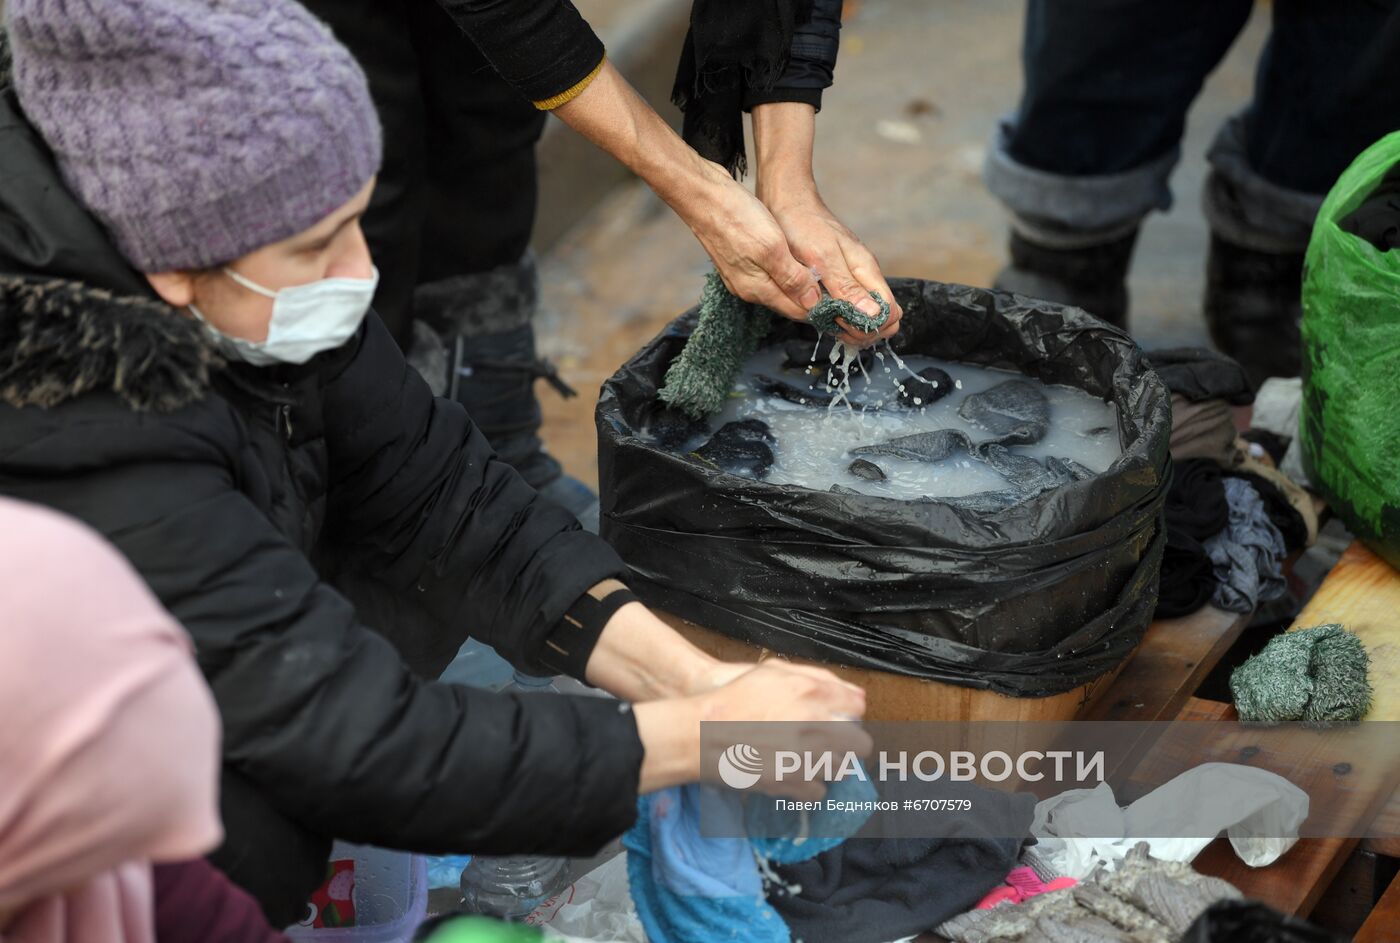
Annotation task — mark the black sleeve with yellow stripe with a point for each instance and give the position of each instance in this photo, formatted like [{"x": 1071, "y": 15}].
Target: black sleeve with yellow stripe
[{"x": 543, "y": 48}]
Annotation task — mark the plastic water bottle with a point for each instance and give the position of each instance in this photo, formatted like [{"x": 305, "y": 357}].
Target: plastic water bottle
[{"x": 511, "y": 888}]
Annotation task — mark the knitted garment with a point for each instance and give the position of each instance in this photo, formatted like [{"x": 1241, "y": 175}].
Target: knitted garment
[
  {"x": 1144, "y": 901},
  {"x": 195, "y": 130},
  {"x": 823, "y": 316},
  {"x": 728, "y": 332},
  {"x": 1315, "y": 675}
]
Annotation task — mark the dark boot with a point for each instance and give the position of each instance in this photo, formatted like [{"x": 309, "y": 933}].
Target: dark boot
[
  {"x": 1253, "y": 306},
  {"x": 1093, "y": 277},
  {"x": 492, "y": 369}
]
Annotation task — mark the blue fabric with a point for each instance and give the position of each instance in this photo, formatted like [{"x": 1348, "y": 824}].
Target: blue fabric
[{"x": 692, "y": 889}]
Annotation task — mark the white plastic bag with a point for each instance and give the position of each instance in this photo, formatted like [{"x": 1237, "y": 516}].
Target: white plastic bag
[
  {"x": 597, "y": 909},
  {"x": 1259, "y": 811}
]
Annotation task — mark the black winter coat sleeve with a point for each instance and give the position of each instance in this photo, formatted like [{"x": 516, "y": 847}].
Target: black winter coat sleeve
[
  {"x": 811, "y": 63},
  {"x": 418, "y": 495},
  {"x": 541, "y": 47},
  {"x": 321, "y": 713}
]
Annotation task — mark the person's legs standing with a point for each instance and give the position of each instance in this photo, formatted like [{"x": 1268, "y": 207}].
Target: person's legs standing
[
  {"x": 1087, "y": 153},
  {"x": 477, "y": 282},
  {"x": 1328, "y": 86},
  {"x": 378, "y": 35}
]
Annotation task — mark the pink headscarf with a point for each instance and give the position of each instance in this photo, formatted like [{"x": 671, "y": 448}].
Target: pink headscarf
[{"x": 109, "y": 740}]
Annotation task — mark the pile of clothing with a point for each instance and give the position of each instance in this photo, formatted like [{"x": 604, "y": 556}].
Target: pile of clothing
[
  {"x": 802, "y": 878},
  {"x": 1232, "y": 515}
]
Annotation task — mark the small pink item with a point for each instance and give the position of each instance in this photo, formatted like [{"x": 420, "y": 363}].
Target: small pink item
[
  {"x": 1021, "y": 885},
  {"x": 999, "y": 895}
]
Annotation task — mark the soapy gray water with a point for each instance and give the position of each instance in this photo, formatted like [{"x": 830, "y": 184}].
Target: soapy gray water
[{"x": 814, "y": 443}]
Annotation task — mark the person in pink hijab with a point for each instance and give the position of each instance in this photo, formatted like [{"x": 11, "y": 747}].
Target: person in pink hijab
[{"x": 109, "y": 739}]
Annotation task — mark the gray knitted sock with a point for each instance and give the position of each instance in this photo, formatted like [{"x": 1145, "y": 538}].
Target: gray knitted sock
[
  {"x": 729, "y": 330},
  {"x": 1314, "y": 675}
]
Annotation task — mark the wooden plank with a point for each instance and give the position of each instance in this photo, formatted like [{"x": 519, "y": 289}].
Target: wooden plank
[
  {"x": 1174, "y": 658},
  {"x": 1351, "y": 895},
  {"x": 1383, "y": 926},
  {"x": 1363, "y": 593},
  {"x": 1296, "y": 881},
  {"x": 1386, "y": 824}
]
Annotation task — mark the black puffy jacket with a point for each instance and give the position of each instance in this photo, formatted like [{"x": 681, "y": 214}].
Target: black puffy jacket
[{"x": 242, "y": 495}]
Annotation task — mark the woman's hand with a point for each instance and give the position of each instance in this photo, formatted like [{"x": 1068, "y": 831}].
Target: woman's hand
[
  {"x": 747, "y": 245},
  {"x": 740, "y": 235},
  {"x": 847, "y": 268},
  {"x": 784, "y": 134},
  {"x": 799, "y": 708}
]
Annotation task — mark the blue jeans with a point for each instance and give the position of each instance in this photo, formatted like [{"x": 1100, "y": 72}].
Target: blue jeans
[{"x": 1108, "y": 84}]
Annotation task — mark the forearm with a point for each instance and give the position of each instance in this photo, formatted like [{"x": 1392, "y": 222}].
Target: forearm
[
  {"x": 611, "y": 114},
  {"x": 670, "y": 735},
  {"x": 640, "y": 658},
  {"x": 784, "y": 136}
]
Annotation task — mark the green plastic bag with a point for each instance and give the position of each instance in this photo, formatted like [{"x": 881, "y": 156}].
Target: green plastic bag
[{"x": 1350, "y": 421}]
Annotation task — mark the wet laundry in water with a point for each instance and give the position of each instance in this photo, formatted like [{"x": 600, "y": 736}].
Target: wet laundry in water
[
  {"x": 815, "y": 359},
  {"x": 743, "y": 447},
  {"x": 727, "y": 333},
  {"x": 1316, "y": 675},
  {"x": 1144, "y": 901},
  {"x": 926, "y": 387},
  {"x": 1016, "y": 412},
  {"x": 824, "y": 315},
  {"x": 801, "y": 395},
  {"x": 1247, "y": 557},
  {"x": 672, "y": 429},
  {"x": 920, "y": 446},
  {"x": 867, "y": 470},
  {"x": 1200, "y": 374},
  {"x": 870, "y": 890},
  {"x": 1026, "y": 475},
  {"x": 924, "y": 450}
]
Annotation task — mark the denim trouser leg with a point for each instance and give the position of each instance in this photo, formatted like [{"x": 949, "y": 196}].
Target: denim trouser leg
[
  {"x": 1089, "y": 150},
  {"x": 1327, "y": 87},
  {"x": 1108, "y": 83}
]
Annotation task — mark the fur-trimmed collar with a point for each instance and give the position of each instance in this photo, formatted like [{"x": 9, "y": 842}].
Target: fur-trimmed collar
[{"x": 60, "y": 339}]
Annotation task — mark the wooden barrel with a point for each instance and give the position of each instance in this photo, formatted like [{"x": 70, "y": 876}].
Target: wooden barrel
[{"x": 897, "y": 697}]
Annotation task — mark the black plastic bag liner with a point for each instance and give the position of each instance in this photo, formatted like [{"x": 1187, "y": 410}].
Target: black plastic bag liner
[{"x": 1030, "y": 601}]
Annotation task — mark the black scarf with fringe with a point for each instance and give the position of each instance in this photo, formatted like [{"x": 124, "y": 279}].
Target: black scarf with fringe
[{"x": 732, "y": 46}]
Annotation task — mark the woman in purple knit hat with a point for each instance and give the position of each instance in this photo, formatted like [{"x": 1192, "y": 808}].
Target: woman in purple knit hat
[{"x": 188, "y": 364}]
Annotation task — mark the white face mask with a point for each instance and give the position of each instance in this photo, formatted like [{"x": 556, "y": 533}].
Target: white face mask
[{"x": 306, "y": 319}]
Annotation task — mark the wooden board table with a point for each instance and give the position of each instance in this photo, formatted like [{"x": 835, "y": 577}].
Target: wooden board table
[{"x": 1362, "y": 593}]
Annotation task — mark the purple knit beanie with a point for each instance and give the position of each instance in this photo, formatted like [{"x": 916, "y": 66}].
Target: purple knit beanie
[{"x": 196, "y": 130}]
